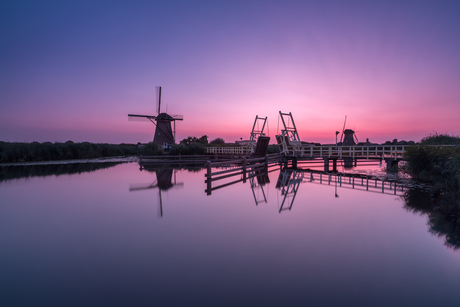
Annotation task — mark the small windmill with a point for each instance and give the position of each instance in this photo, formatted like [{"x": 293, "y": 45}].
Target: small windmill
[
  {"x": 165, "y": 135},
  {"x": 350, "y": 136}
]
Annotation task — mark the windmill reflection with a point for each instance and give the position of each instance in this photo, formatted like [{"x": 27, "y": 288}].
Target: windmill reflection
[{"x": 166, "y": 179}]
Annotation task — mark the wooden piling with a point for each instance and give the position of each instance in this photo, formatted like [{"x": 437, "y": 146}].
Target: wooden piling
[
  {"x": 244, "y": 170},
  {"x": 208, "y": 177}
]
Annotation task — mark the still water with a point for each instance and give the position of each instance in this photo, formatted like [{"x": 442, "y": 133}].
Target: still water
[{"x": 118, "y": 236}]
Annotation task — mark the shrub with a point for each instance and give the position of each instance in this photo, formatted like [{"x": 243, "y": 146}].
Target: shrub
[
  {"x": 191, "y": 149},
  {"x": 440, "y": 139},
  {"x": 218, "y": 141},
  {"x": 151, "y": 149}
]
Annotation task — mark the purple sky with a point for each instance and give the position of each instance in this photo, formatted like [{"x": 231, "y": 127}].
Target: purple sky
[{"x": 74, "y": 71}]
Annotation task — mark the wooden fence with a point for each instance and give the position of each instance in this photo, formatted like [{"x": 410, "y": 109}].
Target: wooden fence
[{"x": 255, "y": 166}]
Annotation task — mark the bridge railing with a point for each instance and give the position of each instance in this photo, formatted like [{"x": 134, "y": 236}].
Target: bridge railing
[
  {"x": 368, "y": 152},
  {"x": 227, "y": 150}
]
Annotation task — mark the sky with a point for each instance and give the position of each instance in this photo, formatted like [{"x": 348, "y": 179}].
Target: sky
[{"x": 74, "y": 70}]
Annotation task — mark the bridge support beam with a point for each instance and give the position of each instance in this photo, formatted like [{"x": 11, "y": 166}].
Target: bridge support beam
[
  {"x": 392, "y": 165},
  {"x": 326, "y": 164},
  {"x": 348, "y": 162}
]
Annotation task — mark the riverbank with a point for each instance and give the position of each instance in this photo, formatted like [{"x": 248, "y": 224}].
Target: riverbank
[
  {"x": 47, "y": 151},
  {"x": 439, "y": 166}
]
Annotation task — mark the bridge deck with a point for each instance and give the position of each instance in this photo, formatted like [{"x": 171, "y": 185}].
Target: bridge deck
[{"x": 396, "y": 152}]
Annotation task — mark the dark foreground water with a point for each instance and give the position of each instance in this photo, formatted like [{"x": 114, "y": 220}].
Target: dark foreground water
[{"x": 101, "y": 238}]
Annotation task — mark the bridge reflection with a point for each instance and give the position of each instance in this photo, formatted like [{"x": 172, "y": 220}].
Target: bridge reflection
[{"x": 290, "y": 179}]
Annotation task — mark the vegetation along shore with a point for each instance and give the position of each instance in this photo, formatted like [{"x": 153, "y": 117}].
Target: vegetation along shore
[
  {"x": 47, "y": 151},
  {"x": 439, "y": 166}
]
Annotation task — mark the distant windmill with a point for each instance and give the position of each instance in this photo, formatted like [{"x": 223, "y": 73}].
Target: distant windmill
[
  {"x": 165, "y": 135},
  {"x": 350, "y": 136}
]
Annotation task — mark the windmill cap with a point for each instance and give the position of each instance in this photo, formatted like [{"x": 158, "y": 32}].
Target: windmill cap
[{"x": 164, "y": 116}]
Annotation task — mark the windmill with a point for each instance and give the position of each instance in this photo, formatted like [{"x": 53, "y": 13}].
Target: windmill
[
  {"x": 165, "y": 135},
  {"x": 350, "y": 136}
]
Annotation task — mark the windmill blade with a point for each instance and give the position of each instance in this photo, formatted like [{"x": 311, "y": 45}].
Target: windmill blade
[
  {"x": 343, "y": 129},
  {"x": 136, "y": 117},
  {"x": 158, "y": 100},
  {"x": 177, "y": 117},
  {"x": 142, "y": 186},
  {"x": 160, "y": 208},
  {"x": 178, "y": 185}
]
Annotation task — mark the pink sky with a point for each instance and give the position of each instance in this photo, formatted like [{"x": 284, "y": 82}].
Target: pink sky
[{"x": 74, "y": 71}]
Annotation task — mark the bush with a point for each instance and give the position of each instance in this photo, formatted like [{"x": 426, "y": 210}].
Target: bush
[
  {"x": 152, "y": 149},
  {"x": 218, "y": 141},
  {"x": 191, "y": 149},
  {"x": 441, "y": 167},
  {"x": 440, "y": 139},
  {"x": 30, "y": 152},
  {"x": 271, "y": 149}
]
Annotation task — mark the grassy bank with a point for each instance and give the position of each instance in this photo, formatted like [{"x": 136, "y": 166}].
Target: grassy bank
[
  {"x": 439, "y": 166},
  {"x": 34, "y": 152},
  {"x": 38, "y": 152}
]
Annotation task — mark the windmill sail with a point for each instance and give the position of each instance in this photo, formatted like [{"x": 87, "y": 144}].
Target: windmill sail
[{"x": 158, "y": 98}]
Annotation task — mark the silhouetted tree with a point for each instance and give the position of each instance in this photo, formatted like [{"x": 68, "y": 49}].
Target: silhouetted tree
[{"x": 218, "y": 141}]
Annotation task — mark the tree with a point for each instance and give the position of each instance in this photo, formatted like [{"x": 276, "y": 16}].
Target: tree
[
  {"x": 218, "y": 141},
  {"x": 193, "y": 139}
]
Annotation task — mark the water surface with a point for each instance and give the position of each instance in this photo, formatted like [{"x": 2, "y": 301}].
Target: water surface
[{"x": 102, "y": 238}]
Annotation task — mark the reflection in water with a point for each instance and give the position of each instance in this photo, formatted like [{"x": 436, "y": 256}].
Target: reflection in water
[
  {"x": 164, "y": 182},
  {"x": 420, "y": 201},
  {"x": 288, "y": 182},
  {"x": 258, "y": 180},
  {"x": 290, "y": 179},
  {"x": 77, "y": 240},
  {"x": 42, "y": 170}
]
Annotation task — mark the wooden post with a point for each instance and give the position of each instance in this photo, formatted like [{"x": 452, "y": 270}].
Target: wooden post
[
  {"x": 208, "y": 177},
  {"x": 294, "y": 162},
  {"x": 326, "y": 164},
  {"x": 244, "y": 169}
]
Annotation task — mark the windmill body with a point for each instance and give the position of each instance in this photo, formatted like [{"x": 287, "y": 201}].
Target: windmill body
[
  {"x": 349, "y": 137},
  {"x": 165, "y": 126},
  {"x": 164, "y": 134}
]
